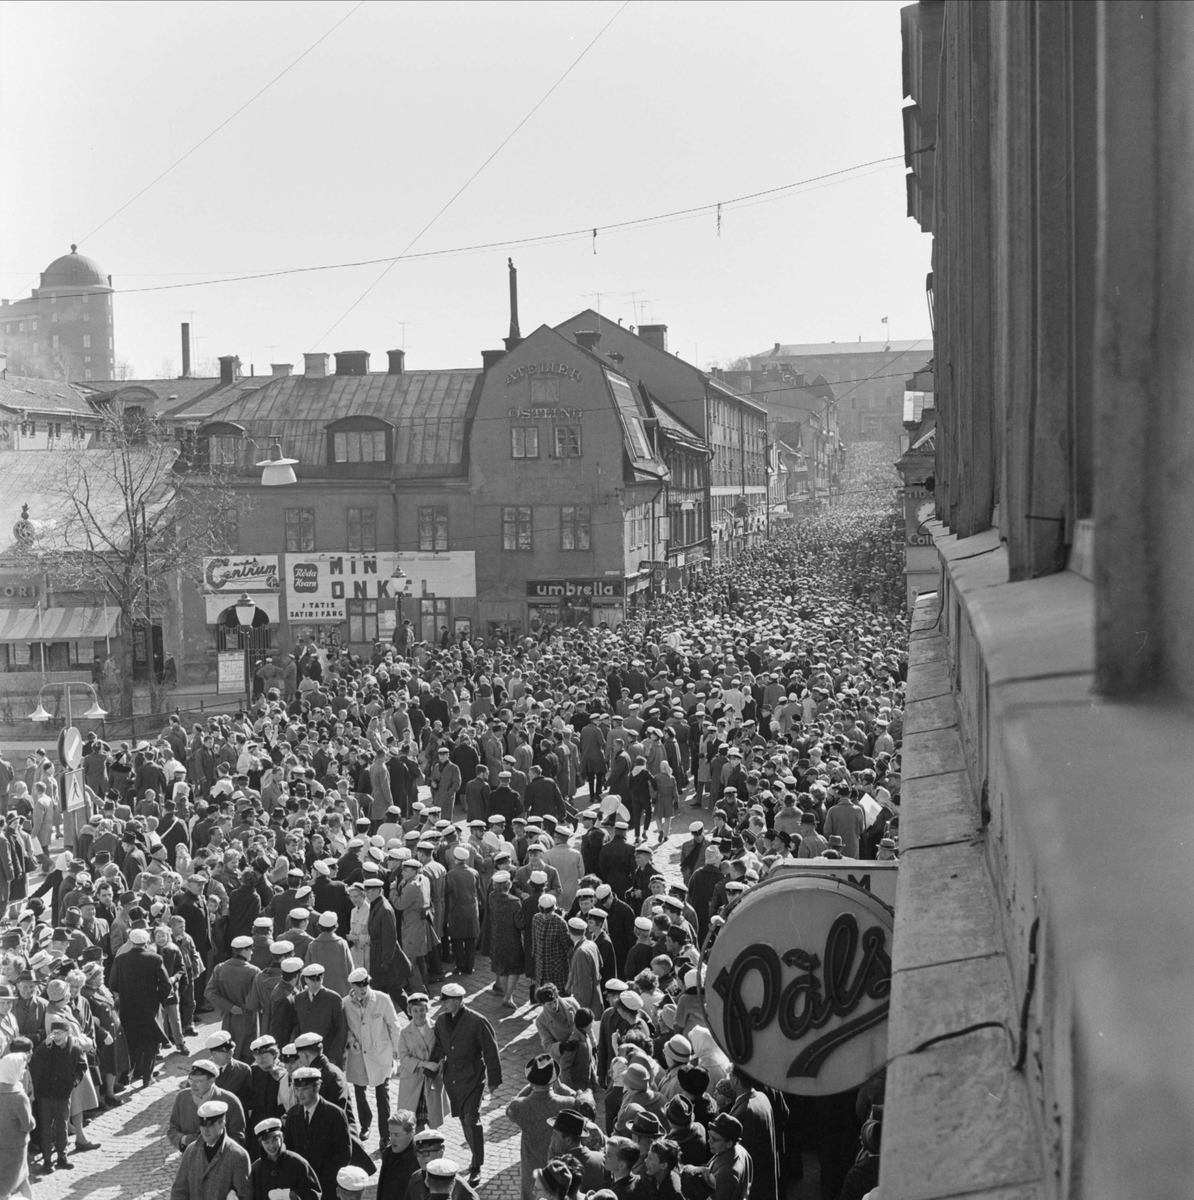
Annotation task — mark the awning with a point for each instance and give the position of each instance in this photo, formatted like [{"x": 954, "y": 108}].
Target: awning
[
  {"x": 69, "y": 624},
  {"x": 218, "y": 605}
]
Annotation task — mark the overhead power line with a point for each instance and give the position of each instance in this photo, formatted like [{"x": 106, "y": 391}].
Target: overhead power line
[{"x": 585, "y": 233}]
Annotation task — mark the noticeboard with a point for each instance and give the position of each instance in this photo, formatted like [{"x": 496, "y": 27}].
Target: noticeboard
[{"x": 230, "y": 675}]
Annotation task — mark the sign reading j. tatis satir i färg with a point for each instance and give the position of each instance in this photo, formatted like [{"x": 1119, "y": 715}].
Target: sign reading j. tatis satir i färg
[{"x": 798, "y": 984}]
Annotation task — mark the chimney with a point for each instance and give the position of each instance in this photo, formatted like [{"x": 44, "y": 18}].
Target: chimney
[
  {"x": 352, "y": 362},
  {"x": 588, "y": 339},
  {"x": 490, "y": 358},
  {"x": 654, "y": 335},
  {"x": 229, "y": 368},
  {"x": 718, "y": 373},
  {"x": 397, "y": 362},
  {"x": 186, "y": 350},
  {"x": 280, "y": 369},
  {"x": 775, "y": 351},
  {"x": 515, "y": 337},
  {"x": 315, "y": 366}
]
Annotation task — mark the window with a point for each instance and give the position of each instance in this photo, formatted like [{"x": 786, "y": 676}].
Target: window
[
  {"x": 516, "y": 527},
  {"x": 360, "y": 445},
  {"x": 20, "y": 327},
  {"x": 87, "y": 341},
  {"x": 32, "y": 326},
  {"x": 433, "y": 528},
  {"x": 362, "y": 530},
  {"x": 300, "y": 529},
  {"x": 362, "y": 620},
  {"x": 524, "y": 441},
  {"x": 109, "y": 343},
  {"x": 53, "y": 318},
  {"x": 53, "y": 299},
  {"x": 86, "y": 298},
  {"x": 87, "y": 373},
  {"x": 433, "y": 618},
  {"x": 54, "y": 341},
  {"x": 567, "y": 441},
  {"x": 545, "y": 390},
  {"x": 86, "y": 317},
  {"x": 575, "y": 523}
]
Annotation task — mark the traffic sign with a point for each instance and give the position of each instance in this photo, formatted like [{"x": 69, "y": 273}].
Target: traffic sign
[{"x": 72, "y": 748}]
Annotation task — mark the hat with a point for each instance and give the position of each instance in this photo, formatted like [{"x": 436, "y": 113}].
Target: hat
[
  {"x": 678, "y": 1050},
  {"x": 206, "y": 1066},
  {"x": 140, "y": 937},
  {"x": 59, "y": 1022},
  {"x": 305, "y": 1041},
  {"x": 540, "y": 1069},
  {"x": 300, "y": 914},
  {"x": 635, "y": 1075},
  {"x": 269, "y": 1125},
  {"x": 291, "y": 966},
  {"x": 327, "y": 920},
  {"x": 547, "y": 900},
  {"x": 500, "y": 877},
  {"x": 372, "y": 881},
  {"x": 307, "y": 1075},
  {"x": 441, "y": 1168},
  {"x": 313, "y": 971},
  {"x": 263, "y": 923},
  {"x": 555, "y": 1178},
  {"x": 577, "y": 924},
  {"x": 352, "y": 1179},
  {"x": 452, "y": 991},
  {"x": 631, "y": 1000},
  {"x": 728, "y": 1127},
  {"x": 265, "y": 1042},
  {"x": 461, "y": 853},
  {"x": 281, "y": 949},
  {"x": 218, "y": 1040},
  {"x": 429, "y": 1137},
  {"x": 615, "y": 985},
  {"x": 360, "y": 975},
  {"x": 679, "y": 1111},
  {"x": 696, "y": 827},
  {"x": 646, "y": 1124},
  {"x": 643, "y": 924},
  {"x": 210, "y": 1109},
  {"x": 238, "y": 943},
  {"x": 569, "y": 1122}
]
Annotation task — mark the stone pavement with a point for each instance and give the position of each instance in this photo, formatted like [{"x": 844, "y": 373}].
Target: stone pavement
[{"x": 135, "y": 1162}]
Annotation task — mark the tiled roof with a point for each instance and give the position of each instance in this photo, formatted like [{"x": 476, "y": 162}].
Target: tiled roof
[{"x": 43, "y": 396}]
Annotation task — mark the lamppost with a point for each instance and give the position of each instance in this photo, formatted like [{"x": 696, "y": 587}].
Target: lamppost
[
  {"x": 94, "y": 713},
  {"x": 70, "y": 755},
  {"x": 398, "y": 578},
  {"x": 246, "y": 610}
]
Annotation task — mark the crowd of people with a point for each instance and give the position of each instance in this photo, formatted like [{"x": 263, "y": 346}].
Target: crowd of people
[{"x": 322, "y": 872}]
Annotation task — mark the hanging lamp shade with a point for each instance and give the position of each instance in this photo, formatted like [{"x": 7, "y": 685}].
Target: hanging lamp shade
[
  {"x": 39, "y": 713},
  {"x": 95, "y": 713},
  {"x": 277, "y": 471}
]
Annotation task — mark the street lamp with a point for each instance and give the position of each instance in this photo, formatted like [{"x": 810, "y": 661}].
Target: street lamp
[
  {"x": 277, "y": 471},
  {"x": 245, "y": 611},
  {"x": 398, "y": 579},
  {"x": 94, "y": 713}
]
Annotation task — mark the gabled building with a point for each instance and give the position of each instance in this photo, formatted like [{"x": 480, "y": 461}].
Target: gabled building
[{"x": 732, "y": 425}]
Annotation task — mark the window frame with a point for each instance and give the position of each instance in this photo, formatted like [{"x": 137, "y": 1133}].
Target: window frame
[
  {"x": 361, "y": 615},
  {"x": 345, "y": 437},
  {"x": 524, "y": 430},
  {"x": 298, "y": 525},
  {"x": 573, "y": 523},
  {"x": 364, "y": 518},
  {"x": 518, "y": 528},
  {"x": 435, "y": 515},
  {"x": 571, "y": 436}
]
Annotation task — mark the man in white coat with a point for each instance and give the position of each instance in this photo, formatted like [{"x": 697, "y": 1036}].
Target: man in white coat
[{"x": 372, "y": 1051}]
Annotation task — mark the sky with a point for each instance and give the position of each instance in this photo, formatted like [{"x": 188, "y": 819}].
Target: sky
[{"x": 352, "y": 153}]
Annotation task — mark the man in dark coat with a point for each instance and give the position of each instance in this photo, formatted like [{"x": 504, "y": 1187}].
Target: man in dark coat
[
  {"x": 228, "y": 989},
  {"x": 617, "y": 861},
  {"x": 330, "y": 895},
  {"x": 388, "y": 966},
  {"x": 398, "y": 1160},
  {"x": 754, "y": 1113},
  {"x": 279, "y": 1168},
  {"x": 320, "y": 1011},
  {"x": 317, "y": 1130},
  {"x": 467, "y": 1050},
  {"x": 141, "y": 986},
  {"x": 462, "y": 907}
]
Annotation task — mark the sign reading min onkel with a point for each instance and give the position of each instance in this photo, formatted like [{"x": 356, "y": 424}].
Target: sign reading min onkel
[
  {"x": 574, "y": 589},
  {"x": 799, "y": 982}
]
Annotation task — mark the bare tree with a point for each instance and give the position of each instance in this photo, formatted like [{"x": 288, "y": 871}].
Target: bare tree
[
  {"x": 129, "y": 519},
  {"x": 166, "y": 368},
  {"x": 124, "y": 369}
]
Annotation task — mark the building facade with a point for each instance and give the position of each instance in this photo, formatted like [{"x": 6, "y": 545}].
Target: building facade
[
  {"x": 732, "y": 425},
  {"x": 64, "y": 329},
  {"x": 1041, "y": 968}
]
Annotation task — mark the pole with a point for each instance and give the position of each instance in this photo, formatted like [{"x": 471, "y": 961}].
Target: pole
[{"x": 248, "y": 636}]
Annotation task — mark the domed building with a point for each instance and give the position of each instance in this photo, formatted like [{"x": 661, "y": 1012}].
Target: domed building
[{"x": 64, "y": 329}]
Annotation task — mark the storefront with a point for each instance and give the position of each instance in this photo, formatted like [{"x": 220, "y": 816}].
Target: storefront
[
  {"x": 225, "y": 579},
  {"x": 354, "y": 600},
  {"x": 574, "y": 602},
  {"x": 54, "y": 639}
]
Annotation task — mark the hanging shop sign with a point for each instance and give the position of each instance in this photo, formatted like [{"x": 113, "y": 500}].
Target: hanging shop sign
[
  {"x": 242, "y": 573},
  {"x": 798, "y": 984}
]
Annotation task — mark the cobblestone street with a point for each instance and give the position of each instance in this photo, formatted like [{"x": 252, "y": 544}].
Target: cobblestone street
[{"x": 135, "y": 1162}]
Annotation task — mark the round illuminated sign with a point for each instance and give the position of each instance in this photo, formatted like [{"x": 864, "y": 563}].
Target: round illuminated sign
[
  {"x": 798, "y": 984},
  {"x": 72, "y": 748}
]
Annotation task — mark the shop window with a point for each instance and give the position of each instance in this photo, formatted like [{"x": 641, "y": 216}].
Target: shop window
[
  {"x": 567, "y": 441},
  {"x": 524, "y": 441},
  {"x": 362, "y": 620},
  {"x": 300, "y": 530},
  {"x": 359, "y": 445},
  {"x": 362, "y": 530},
  {"x": 433, "y": 528},
  {"x": 516, "y": 527},
  {"x": 575, "y": 523},
  {"x": 433, "y": 619}
]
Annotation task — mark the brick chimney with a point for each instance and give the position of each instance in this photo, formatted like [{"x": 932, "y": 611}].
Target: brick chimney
[
  {"x": 490, "y": 358},
  {"x": 654, "y": 335},
  {"x": 315, "y": 366},
  {"x": 279, "y": 369},
  {"x": 229, "y": 368},
  {"x": 588, "y": 339},
  {"x": 397, "y": 362},
  {"x": 352, "y": 362}
]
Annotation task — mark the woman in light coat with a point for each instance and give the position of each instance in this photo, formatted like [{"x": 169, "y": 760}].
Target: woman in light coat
[
  {"x": 372, "y": 1050},
  {"x": 358, "y": 926},
  {"x": 418, "y": 1091}
]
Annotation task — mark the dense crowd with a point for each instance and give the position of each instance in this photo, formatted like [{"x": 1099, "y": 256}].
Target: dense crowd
[{"x": 323, "y": 870}]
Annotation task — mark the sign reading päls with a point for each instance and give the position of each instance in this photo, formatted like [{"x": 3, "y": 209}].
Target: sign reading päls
[{"x": 798, "y": 984}]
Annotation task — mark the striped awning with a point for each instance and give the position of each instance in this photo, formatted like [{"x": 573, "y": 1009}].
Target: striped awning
[{"x": 68, "y": 624}]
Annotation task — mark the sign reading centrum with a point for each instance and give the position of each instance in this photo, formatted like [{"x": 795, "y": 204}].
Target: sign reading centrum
[
  {"x": 799, "y": 983},
  {"x": 574, "y": 589}
]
